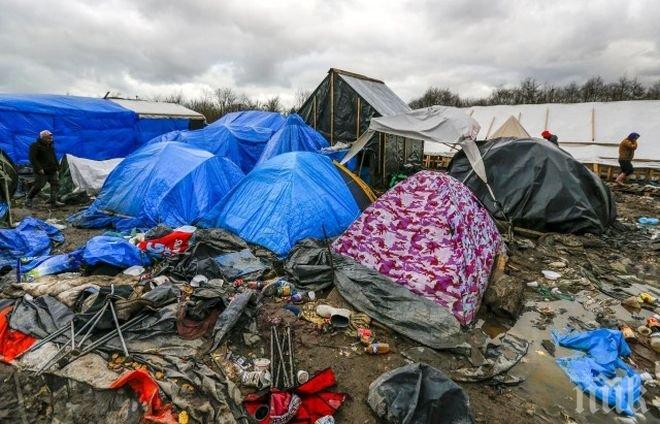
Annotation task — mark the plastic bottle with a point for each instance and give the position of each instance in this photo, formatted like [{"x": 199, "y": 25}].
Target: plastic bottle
[{"x": 378, "y": 348}]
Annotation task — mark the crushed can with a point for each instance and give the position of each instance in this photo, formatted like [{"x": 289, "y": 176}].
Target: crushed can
[
  {"x": 255, "y": 285},
  {"x": 328, "y": 419}
]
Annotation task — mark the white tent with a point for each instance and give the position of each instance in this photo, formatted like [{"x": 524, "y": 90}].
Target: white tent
[
  {"x": 511, "y": 128},
  {"x": 89, "y": 175},
  {"x": 591, "y": 132}
]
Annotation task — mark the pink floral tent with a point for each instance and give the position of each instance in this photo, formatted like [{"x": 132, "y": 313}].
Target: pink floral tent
[{"x": 430, "y": 234}]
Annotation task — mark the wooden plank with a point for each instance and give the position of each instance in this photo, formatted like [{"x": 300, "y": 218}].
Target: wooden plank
[
  {"x": 490, "y": 127},
  {"x": 315, "y": 111},
  {"x": 332, "y": 108},
  {"x": 357, "y": 120}
]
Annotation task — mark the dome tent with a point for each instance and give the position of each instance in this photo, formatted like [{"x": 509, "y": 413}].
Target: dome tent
[
  {"x": 168, "y": 183},
  {"x": 288, "y": 198},
  {"x": 294, "y": 136},
  {"x": 242, "y": 145},
  {"x": 539, "y": 186},
  {"x": 430, "y": 234}
]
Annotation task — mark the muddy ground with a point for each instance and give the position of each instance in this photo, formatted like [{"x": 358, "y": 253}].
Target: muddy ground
[{"x": 598, "y": 272}]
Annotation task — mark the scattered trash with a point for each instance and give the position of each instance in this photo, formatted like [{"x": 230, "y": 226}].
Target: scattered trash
[
  {"x": 533, "y": 284},
  {"x": 592, "y": 372},
  {"x": 551, "y": 275},
  {"x": 645, "y": 220},
  {"x": 134, "y": 270},
  {"x": 302, "y": 376},
  {"x": 377, "y": 348}
]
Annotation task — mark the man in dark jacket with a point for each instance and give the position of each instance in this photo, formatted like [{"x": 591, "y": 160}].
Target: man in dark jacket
[{"x": 45, "y": 168}]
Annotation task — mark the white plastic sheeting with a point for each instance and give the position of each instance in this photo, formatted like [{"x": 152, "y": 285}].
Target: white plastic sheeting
[
  {"x": 377, "y": 94},
  {"x": 89, "y": 175},
  {"x": 146, "y": 108},
  {"x": 443, "y": 125},
  {"x": 591, "y": 132}
]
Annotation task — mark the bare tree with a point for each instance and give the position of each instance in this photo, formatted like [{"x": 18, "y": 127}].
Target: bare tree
[
  {"x": 273, "y": 104},
  {"x": 300, "y": 98}
]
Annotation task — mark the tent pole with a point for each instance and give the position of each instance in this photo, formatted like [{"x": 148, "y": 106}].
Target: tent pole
[
  {"x": 492, "y": 121},
  {"x": 314, "y": 111},
  {"x": 357, "y": 120},
  {"x": 332, "y": 108},
  {"x": 6, "y": 190},
  {"x": 593, "y": 124},
  {"x": 547, "y": 115}
]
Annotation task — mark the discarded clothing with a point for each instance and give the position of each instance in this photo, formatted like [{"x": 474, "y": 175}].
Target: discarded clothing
[
  {"x": 32, "y": 237},
  {"x": 239, "y": 264},
  {"x": 418, "y": 394},
  {"x": 431, "y": 235},
  {"x": 302, "y": 405},
  {"x": 596, "y": 372},
  {"x": 395, "y": 306},
  {"x": 113, "y": 251},
  {"x": 13, "y": 343}
]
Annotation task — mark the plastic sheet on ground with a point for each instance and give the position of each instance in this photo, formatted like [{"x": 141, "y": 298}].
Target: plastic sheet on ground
[
  {"x": 601, "y": 372},
  {"x": 500, "y": 357},
  {"x": 146, "y": 388},
  {"x": 238, "y": 264},
  {"x": 40, "y": 316},
  {"x": 113, "y": 251},
  {"x": 12, "y": 342},
  {"x": 50, "y": 265},
  {"x": 32, "y": 237},
  {"x": 395, "y": 306},
  {"x": 418, "y": 394}
]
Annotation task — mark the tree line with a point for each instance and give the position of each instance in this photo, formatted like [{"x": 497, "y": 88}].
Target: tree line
[{"x": 530, "y": 91}]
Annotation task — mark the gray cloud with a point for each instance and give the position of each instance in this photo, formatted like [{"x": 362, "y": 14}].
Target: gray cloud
[{"x": 266, "y": 48}]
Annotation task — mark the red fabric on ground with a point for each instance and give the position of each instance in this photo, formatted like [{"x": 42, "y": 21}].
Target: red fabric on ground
[
  {"x": 174, "y": 242},
  {"x": 141, "y": 382},
  {"x": 12, "y": 342},
  {"x": 316, "y": 402}
]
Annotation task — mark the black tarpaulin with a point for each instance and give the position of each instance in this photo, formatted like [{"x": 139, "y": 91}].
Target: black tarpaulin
[
  {"x": 539, "y": 186},
  {"x": 418, "y": 394}
]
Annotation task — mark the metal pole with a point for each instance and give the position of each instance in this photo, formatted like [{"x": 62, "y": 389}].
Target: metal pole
[
  {"x": 279, "y": 351},
  {"x": 288, "y": 335},
  {"x": 121, "y": 336}
]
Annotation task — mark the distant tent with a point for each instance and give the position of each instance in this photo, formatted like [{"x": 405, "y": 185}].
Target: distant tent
[
  {"x": 430, "y": 234},
  {"x": 242, "y": 145},
  {"x": 252, "y": 118},
  {"x": 286, "y": 199},
  {"x": 294, "y": 136},
  {"x": 511, "y": 128},
  {"x": 539, "y": 186},
  {"x": 162, "y": 183}
]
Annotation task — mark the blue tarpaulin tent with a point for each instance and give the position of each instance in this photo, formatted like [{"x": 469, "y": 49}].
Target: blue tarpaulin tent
[
  {"x": 85, "y": 127},
  {"x": 32, "y": 237},
  {"x": 252, "y": 118},
  {"x": 170, "y": 183},
  {"x": 294, "y": 136},
  {"x": 241, "y": 145},
  {"x": 288, "y": 198}
]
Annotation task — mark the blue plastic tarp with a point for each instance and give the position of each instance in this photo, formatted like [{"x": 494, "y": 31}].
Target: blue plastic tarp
[
  {"x": 4, "y": 208},
  {"x": 84, "y": 127},
  {"x": 51, "y": 265},
  {"x": 113, "y": 251},
  {"x": 601, "y": 372},
  {"x": 294, "y": 136},
  {"x": 31, "y": 238},
  {"x": 162, "y": 183},
  {"x": 241, "y": 145},
  {"x": 150, "y": 128},
  {"x": 288, "y": 198},
  {"x": 252, "y": 118}
]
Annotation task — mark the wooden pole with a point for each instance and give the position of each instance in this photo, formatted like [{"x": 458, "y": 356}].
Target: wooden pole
[
  {"x": 315, "y": 111},
  {"x": 332, "y": 108},
  {"x": 7, "y": 197},
  {"x": 547, "y": 116},
  {"x": 593, "y": 124},
  {"x": 357, "y": 120},
  {"x": 492, "y": 121}
]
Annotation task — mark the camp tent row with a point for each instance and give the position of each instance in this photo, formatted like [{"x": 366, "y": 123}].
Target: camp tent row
[
  {"x": 89, "y": 128},
  {"x": 591, "y": 132}
]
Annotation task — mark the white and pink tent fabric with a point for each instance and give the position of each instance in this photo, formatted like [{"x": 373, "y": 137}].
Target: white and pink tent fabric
[{"x": 430, "y": 234}]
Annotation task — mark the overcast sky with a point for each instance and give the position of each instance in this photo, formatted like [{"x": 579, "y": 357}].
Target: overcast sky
[{"x": 275, "y": 47}]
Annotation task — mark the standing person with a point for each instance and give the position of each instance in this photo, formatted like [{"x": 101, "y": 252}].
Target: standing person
[
  {"x": 627, "y": 149},
  {"x": 550, "y": 137},
  {"x": 45, "y": 168}
]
